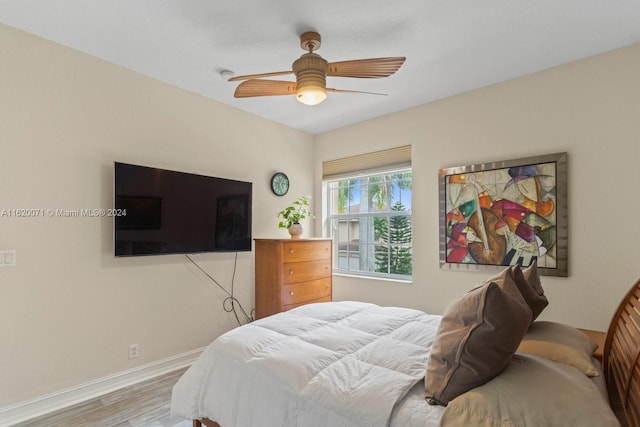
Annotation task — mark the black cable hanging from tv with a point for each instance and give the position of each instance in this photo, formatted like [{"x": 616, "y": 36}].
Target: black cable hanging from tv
[{"x": 230, "y": 302}]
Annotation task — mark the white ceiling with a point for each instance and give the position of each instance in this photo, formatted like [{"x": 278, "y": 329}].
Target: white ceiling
[{"x": 451, "y": 46}]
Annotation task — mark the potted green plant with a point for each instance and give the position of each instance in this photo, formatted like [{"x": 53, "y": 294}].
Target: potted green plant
[{"x": 291, "y": 216}]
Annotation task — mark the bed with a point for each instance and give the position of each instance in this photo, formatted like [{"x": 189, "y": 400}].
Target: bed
[{"x": 359, "y": 364}]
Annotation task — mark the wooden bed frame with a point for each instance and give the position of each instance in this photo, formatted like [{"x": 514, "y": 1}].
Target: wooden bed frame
[
  {"x": 206, "y": 422},
  {"x": 621, "y": 362}
]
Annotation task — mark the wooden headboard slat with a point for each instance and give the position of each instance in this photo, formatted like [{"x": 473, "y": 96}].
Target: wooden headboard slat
[
  {"x": 624, "y": 344},
  {"x": 616, "y": 366},
  {"x": 623, "y": 338},
  {"x": 632, "y": 380},
  {"x": 615, "y": 379},
  {"x": 632, "y": 319},
  {"x": 628, "y": 328},
  {"x": 633, "y": 316},
  {"x": 620, "y": 363},
  {"x": 634, "y": 308}
]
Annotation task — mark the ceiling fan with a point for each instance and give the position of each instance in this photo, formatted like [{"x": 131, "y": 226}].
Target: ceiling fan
[{"x": 311, "y": 71}]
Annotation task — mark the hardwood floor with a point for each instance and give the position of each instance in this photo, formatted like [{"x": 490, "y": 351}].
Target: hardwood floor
[{"x": 143, "y": 404}]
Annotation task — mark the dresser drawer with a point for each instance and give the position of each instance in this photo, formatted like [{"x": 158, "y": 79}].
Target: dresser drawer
[
  {"x": 295, "y": 293},
  {"x": 306, "y": 251},
  {"x": 293, "y": 272},
  {"x": 290, "y": 306}
]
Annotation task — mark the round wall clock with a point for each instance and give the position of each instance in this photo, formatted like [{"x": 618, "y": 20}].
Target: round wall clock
[{"x": 279, "y": 184}]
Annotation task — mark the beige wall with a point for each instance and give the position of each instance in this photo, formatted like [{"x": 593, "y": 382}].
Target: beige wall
[
  {"x": 589, "y": 109},
  {"x": 69, "y": 309}
]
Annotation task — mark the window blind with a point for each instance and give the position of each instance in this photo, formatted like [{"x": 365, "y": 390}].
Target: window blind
[{"x": 367, "y": 162}]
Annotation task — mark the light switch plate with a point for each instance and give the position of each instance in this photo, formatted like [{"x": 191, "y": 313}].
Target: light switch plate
[{"x": 8, "y": 258}]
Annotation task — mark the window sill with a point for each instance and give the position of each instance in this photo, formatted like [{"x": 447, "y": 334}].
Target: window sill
[{"x": 377, "y": 278}]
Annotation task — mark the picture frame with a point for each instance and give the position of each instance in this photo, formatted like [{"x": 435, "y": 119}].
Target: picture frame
[{"x": 496, "y": 214}]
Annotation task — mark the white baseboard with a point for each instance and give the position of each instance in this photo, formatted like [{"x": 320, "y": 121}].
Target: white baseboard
[{"x": 39, "y": 406}]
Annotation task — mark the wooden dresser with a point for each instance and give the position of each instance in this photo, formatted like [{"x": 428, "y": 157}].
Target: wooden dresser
[{"x": 291, "y": 272}]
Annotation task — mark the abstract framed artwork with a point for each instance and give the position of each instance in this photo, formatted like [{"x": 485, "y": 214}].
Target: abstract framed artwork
[{"x": 511, "y": 212}]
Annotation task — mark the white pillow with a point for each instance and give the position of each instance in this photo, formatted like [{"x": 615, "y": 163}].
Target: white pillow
[{"x": 532, "y": 391}]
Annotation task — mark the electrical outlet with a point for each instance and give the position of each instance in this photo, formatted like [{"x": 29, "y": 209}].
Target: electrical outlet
[{"x": 133, "y": 351}]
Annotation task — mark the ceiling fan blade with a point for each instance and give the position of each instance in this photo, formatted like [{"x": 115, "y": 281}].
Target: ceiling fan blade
[
  {"x": 365, "y": 68},
  {"x": 260, "y": 76},
  {"x": 254, "y": 87},
  {"x": 330, "y": 89}
]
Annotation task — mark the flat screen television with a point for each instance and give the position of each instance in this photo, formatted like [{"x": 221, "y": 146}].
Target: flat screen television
[{"x": 159, "y": 211}]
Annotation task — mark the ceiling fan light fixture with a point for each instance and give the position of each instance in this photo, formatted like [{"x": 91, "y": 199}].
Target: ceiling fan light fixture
[
  {"x": 311, "y": 95},
  {"x": 311, "y": 82}
]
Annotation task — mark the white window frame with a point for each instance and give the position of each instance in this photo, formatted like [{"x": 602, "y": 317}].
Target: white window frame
[{"x": 329, "y": 219}]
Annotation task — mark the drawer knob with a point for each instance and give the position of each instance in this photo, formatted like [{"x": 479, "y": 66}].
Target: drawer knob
[
  {"x": 290, "y": 272},
  {"x": 291, "y": 251},
  {"x": 290, "y": 292}
]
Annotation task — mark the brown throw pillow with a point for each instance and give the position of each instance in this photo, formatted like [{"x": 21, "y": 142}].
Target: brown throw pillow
[
  {"x": 478, "y": 335},
  {"x": 512, "y": 280},
  {"x": 531, "y": 274},
  {"x": 536, "y": 300}
]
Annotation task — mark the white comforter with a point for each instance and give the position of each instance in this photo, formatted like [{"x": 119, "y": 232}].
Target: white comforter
[{"x": 328, "y": 364}]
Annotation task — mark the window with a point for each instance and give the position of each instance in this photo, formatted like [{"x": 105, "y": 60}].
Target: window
[{"x": 368, "y": 215}]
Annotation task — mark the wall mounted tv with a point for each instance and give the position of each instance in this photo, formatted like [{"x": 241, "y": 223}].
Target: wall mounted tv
[{"x": 160, "y": 211}]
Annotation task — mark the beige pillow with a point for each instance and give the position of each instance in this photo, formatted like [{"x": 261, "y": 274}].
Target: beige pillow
[
  {"x": 560, "y": 343},
  {"x": 532, "y": 391},
  {"x": 476, "y": 339},
  {"x": 530, "y": 296}
]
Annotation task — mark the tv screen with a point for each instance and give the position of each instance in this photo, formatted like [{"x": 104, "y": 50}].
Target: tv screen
[{"x": 159, "y": 211}]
